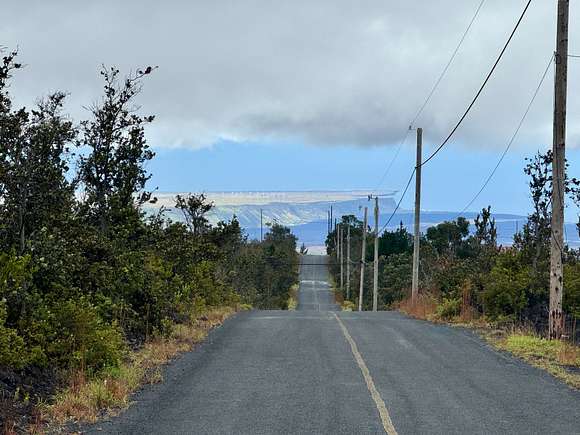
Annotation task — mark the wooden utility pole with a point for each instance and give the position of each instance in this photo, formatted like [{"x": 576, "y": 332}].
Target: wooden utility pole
[
  {"x": 336, "y": 239},
  {"x": 558, "y": 172},
  {"x": 415, "y": 283},
  {"x": 341, "y": 245},
  {"x": 376, "y": 259},
  {"x": 362, "y": 260},
  {"x": 348, "y": 262},
  {"x": 261, "y": 225},
  {"x": 330, "y": 225}
]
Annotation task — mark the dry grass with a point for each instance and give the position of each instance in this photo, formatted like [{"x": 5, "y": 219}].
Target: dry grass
[
  {"x": 560, "y": 358},
  {"x": 425, "y": 308},
  {"x": 85, "y": 400},
  {"x": 293, "y": 297},
  {"x": 348, "y": 306},
  {"x": 338, "y": 297}
]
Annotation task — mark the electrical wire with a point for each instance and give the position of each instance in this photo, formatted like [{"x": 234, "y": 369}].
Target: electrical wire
[
  {"x": 513, "y": 32},
  {"x": 430, "y": 95},
  {"x": 400, "y": 201},
  {"x": 512, "y": 139},
  {"x": 440, "y": 147},
  {"x": 448, "y": 64},
  {"x": 399, "y": 147}
]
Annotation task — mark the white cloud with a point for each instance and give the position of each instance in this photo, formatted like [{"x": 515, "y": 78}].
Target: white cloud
[{"x": 322, "y": 72}]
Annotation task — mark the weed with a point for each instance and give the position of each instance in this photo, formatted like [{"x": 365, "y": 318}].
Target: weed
[
  {"x": 293, "y": 298},
  {"x": 425, "y": 308},
  {"x": 555, "y": 356},
  {"x": 245, "y": 307},
  {"x": 348, "y": 306}
]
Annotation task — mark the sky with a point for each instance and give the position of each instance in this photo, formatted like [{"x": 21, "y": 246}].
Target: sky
[{"x": 302, "y": 95}]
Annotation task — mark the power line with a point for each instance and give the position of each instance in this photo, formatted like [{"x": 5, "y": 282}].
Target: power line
[
  {"x": 465, "y": 113},
  {"x": 400, "y": 201},
  {"x": 433, "y": 89},
  {"x": 438, "y": 81},
  {"x": 511, "y": 141},
  {"x": 440, "y": 147},
  {"x": 399, "y": 147}
]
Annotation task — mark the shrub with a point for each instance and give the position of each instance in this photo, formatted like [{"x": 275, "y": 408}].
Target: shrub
[
  {"x": 395, "y": 278},
  {"x": 12, "y": 349},
  {"x": 571, "y": 302},
  {"x": 507, "y": 285},
  {"x": 82, "y": 340},
  {"x": 449, "y": 308},
  {"x": 450, "y": 276},
  {"x": 348, "y": 306}
]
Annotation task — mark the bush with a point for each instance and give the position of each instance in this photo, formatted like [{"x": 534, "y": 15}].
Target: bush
[
  {"x": 571, "y": 302},
  {"x": 82, "y": 340},
  {"x": 12, "y": 348},
  {"x": 449, "y": 308},
  {"x": 395, "y": 279},
  {"x": 507, "y": 286},
  {"x": 449, "y": 277}
]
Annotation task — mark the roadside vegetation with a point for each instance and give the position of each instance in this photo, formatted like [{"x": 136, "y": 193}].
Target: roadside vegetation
[
  {"x": 467, "y": 278},
  {"x": 293, "y": 298},
  {"x": 561, "y": 358},
  {"x": 95, "y": 293}
]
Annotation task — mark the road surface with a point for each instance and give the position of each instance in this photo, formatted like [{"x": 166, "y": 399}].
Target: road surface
[{"x": 320, "y": 371}]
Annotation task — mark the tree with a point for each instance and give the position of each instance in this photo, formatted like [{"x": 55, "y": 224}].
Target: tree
[
  {"x": 485, "y": 229},
  {"x": 448, "y": 237},
  {"x": 194, "y": 209},
  {"x": 534, "y": 239},
  {"x": 395, "y": 242},
  {"x": 33, "y": 165},
  {"x": 113, "y": 172}
]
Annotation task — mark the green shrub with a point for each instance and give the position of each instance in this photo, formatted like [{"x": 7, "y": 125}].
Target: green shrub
[
  {"x": 507, "y": 286},
  {"x": 449, "y": 308},
  {"x": 450, "y": 276},
  {"x": 395, "y": 278},
  {"x": 82, "y": 339},
  {"x": 571, "y": 296},
  {"x": 12, "y": 348}
]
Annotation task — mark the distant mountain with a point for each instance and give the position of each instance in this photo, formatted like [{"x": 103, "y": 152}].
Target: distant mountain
[
  {"x": 286, "y": 208},
  {"x": 306, "y": 212}
]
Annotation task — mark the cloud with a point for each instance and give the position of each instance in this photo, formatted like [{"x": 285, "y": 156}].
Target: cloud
[{"x": 328, "y": 72}]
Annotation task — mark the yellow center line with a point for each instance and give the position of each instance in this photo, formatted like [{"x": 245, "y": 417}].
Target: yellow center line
[{"x": 381, "y": 407}]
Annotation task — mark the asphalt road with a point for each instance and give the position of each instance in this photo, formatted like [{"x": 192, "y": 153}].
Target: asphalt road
[{"x": 320, "y": 371}]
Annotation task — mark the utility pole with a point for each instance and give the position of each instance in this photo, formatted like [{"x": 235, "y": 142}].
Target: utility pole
[
  {"x": 340, "y": 243},
  {"x": 336, "y": 239},
  {"x": 348, "y": 262},
  {"x": 558, "y": 172},
  {"x": 261, "y": 225},
  {"x": 362, "y": 260},
  {"x": 415, "y": 284},
  {"x": 376, "y": 259},
  {"x": 330, "y": 225}
]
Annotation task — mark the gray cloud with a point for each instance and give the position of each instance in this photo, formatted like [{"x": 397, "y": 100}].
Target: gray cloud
[{"x": 325, "y": 72}]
